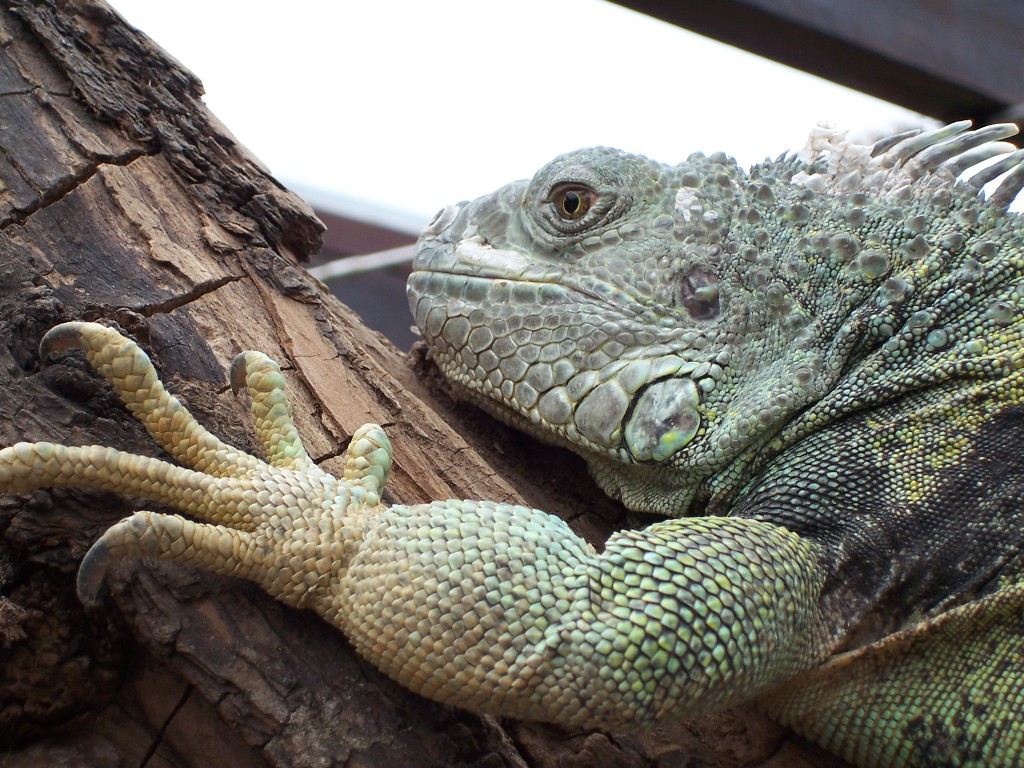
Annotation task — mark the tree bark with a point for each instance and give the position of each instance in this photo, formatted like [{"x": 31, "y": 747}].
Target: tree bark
[{"x": 124, "y": 200}]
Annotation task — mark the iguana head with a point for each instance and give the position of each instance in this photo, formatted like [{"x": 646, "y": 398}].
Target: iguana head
[{"x": 662, "y": 321}]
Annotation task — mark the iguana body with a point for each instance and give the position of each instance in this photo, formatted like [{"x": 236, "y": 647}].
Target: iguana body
[{"x": 821, "y": 359}]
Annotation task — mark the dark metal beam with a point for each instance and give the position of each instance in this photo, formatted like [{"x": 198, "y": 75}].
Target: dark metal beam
[
  {"x": 949, "y": 59},
  {"x": 378, "y": 296},
  {"x": 347, "y": 235}
]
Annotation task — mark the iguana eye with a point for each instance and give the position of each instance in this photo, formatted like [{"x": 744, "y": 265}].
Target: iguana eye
[{"x": 572, "y": 201}]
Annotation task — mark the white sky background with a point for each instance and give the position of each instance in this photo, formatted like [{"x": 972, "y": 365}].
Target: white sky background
[{"x": 405, "y": 106}]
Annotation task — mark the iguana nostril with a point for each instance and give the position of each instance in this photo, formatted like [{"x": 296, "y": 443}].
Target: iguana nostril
[{"x": 441, "y": 220}]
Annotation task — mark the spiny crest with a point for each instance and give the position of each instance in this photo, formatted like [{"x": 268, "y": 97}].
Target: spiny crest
[{"x": 926, "y": 161}]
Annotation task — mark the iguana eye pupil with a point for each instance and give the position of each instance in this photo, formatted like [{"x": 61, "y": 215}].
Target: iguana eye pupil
[{"x": 572, "y": 202}]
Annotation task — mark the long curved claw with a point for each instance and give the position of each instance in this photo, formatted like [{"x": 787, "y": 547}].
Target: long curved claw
[
  {"x": 271, "y": 411},
  {"x": 61, "y": 337},
  {"x": 215, "y": 548},
  {"x": 123, "y": 363},
  {"x": 91, "y": 573}
]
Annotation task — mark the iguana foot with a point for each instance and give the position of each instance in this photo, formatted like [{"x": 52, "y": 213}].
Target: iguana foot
[{"x": 278, "y": 522}]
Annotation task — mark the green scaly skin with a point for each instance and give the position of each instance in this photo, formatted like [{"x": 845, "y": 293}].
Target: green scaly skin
[{"x": 814, "y": 369}]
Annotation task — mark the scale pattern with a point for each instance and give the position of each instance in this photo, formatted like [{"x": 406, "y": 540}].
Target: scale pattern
[{"x": 813, "y": 368}]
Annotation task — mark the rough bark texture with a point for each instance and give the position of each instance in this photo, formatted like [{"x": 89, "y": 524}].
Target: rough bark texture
[{"x": 123, "y": 200}]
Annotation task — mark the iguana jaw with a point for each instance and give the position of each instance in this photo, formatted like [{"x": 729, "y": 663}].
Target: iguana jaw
[{"x": 483, "y": 318}]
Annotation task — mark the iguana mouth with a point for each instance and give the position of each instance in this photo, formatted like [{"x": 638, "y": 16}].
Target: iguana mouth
[
  {"x": 486, "y": 327},
  {"x": 443, "y": 270},
  {"x": 484, "y": 312},
  {"x": 474, "y": 258}
]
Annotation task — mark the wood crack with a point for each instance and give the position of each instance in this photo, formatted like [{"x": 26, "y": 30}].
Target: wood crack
[
  {"x": 196, "y": 292},
  {"x": 158, "y": 739},
  {"x": 69, "y": 184}
]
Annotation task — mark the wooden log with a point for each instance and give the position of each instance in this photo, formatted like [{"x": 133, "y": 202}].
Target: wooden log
[{"x": 123, "y": 200}]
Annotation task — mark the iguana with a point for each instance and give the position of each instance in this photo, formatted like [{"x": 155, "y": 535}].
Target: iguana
[{"x": 813, "y": 368}]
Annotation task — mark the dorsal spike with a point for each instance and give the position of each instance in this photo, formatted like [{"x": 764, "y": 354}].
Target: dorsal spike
[
  {"x": 973, "y": 157},
  {"x": 882, "y": 146},
  {"x": 994, "y": 171},
  {"x": 937, "y": 154},
  {"x": 932, "y": 159},
  {"x": 1009, "y": 187},
  {"x": 907, "y": 148}
]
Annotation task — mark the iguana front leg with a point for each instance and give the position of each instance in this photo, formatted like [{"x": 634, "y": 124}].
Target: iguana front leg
[{"x": 492, "y": 607}]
